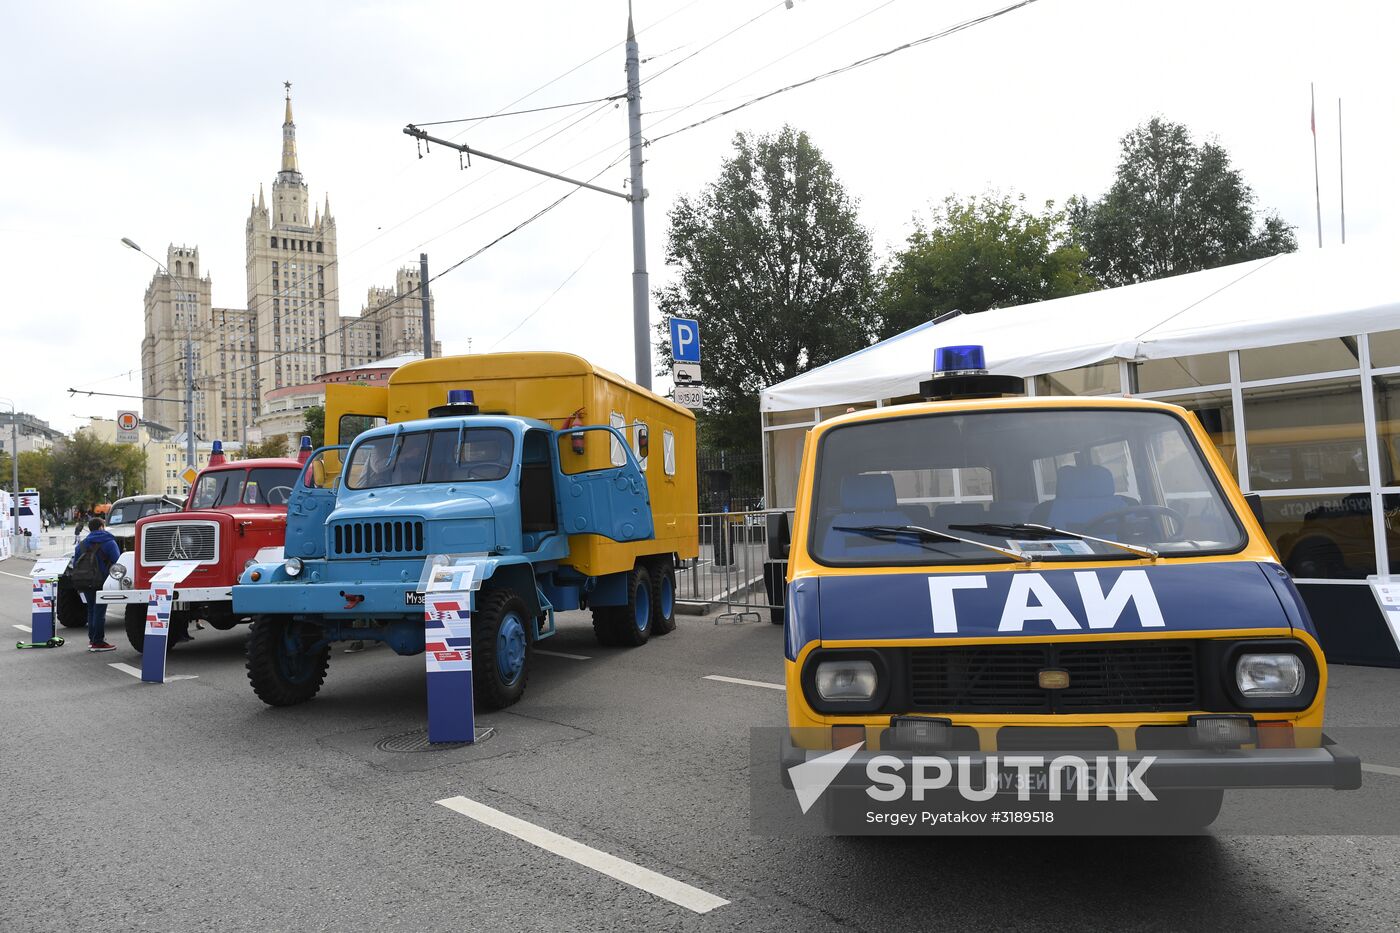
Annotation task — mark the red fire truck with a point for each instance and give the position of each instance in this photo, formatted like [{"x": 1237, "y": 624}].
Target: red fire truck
[{"x": 235, "y": 512}]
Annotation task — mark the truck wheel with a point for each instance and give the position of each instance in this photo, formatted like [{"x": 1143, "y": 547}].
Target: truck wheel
[
  {"x": 282, "y": 667},
  {"x": 663, "y": 597},
  {"x": 501, "y": 649},
  {"x": 69, "y": 606},
  {"x": 605, "y": 625},
  {"x": 632, "y": 623},
  {"x": 136, "y": 626}
]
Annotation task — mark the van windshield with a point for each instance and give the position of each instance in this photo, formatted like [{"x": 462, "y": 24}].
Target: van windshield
[{"x": 1042, "y": 484}]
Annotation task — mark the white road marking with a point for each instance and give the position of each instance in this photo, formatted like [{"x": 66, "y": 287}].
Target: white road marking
[
  {"x": 136, "y": 672},
  {"x": 25, "y": 628},
  {"x": 15, "y": 575},
  {"x": 562, "y": 654},
  {"x": 1381, "y": 769},
  {"x": 742, "y": 682},
  {"x": 677, "y": 892}
]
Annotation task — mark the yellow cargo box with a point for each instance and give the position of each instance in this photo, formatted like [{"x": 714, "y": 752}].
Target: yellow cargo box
[{"x": 562, "y": 390}]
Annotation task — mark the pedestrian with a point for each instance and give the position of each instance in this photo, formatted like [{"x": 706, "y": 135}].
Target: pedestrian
[
  {"x": 28, "y": 541},
  {"x": 92, "y": 559}
]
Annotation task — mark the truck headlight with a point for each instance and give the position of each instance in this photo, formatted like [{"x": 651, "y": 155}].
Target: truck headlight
[
  {"x": 1269, "y": 675},
  {"x": 117, "y": 572},
  {"x": 292, "y": 566},
  {"x": 846, "y": 680}
]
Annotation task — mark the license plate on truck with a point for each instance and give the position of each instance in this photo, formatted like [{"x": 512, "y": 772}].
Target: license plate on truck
[{"x": 413, "y": 599}]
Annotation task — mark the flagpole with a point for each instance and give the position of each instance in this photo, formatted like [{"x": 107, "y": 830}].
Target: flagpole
[
  {"x": 1341, "y": 171},
  {"x": 1317, "y": 181}
]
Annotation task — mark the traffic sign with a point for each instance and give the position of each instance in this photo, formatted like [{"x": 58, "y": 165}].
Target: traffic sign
[
  {"x": 128, "y": 423},
  {"x": 686, "y": 374},
  {"x": 685, "y": 340},
  {"x": 690, "y": 396},
  {"x": 189, "y": 474}
]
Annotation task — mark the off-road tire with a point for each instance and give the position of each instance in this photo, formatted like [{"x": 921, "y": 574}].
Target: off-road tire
[
  {"x": 626, "y": 632},
  {"x": 277, "y": 678},
  {"x": 69, "y": 608},
  {"x": 490, "y": 688},
  {"x": 663, "y": 582}
]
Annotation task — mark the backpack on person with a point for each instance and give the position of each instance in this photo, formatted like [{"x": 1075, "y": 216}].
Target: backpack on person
[{"x": 86, "y": 574}]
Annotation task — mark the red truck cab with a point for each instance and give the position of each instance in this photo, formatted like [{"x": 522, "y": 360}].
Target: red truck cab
[{"x": 233, "y": 511}]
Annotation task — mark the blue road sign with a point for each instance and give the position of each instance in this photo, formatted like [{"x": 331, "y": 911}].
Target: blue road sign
[{"x": 685, "y": 340}]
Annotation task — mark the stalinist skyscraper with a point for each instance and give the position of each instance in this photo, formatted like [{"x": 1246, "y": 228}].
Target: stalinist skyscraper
[
  {"x": 293, "y": 276},
  {"x": 291, "y": 331}
]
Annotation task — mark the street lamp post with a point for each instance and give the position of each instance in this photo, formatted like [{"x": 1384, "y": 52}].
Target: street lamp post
[
  {"x": 189, "y": 363},
  {"x": 14, "y": 463}
]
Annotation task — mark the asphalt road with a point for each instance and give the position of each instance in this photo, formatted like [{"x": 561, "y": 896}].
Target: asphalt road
[{"x": 192, "y": 806}]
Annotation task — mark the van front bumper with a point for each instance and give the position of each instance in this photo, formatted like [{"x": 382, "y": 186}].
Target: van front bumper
[{"x": 1329, "y": 767}]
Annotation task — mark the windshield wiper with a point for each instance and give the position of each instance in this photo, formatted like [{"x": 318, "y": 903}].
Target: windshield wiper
[
  {"x": 1047, "y": 531},
  {"x": 894, "y": 531}
]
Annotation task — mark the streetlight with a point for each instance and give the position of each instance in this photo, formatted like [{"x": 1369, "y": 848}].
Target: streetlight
[
  {"x": 14, "y": 460},
  {"x": 189, "y": 362}
]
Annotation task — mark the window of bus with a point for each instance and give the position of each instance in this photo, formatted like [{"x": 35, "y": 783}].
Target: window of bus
[
  {"x": 1387, "y": 392},
  {"x": 1322, "y": 537},
  {"x": 1182, "y": 372},
  {"x": 1216, "y": 412},
  {"x": 784, "y": 462},
  {"x": 1305, "y": 435},
  {"x": 1096, "y": 379},
  {"x": 1299, "y": 359}
]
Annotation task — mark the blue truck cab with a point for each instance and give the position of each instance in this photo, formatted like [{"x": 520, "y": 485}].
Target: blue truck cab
[{"x": 498, "y": 488}]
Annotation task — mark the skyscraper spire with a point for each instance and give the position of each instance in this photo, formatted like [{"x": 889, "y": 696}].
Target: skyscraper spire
[{"x": 289, "y": 170}]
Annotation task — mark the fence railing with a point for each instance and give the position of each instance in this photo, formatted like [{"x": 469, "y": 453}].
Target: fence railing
[{"x": 733, "y": 571}]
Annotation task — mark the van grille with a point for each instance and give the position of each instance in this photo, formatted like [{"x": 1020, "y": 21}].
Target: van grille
[
  {"x": 162, "y": 542},
  {"x": 1104, "y": 677},
  {"x": 395, "y": 538}
]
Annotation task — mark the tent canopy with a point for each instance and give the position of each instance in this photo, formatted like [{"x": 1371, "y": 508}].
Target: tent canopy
[{"x": 1289, "y": 298}]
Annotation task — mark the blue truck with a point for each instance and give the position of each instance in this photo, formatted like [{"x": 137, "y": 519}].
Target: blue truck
[{"x": 552, "y": 514}]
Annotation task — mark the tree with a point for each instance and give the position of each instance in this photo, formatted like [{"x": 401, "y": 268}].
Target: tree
[
  {"x": 980, "y": 253},
  {"x": 774, "y": 264},
  {"x": 87, "y": 471},
  {"x": 315, "y": 420},
  {"x": 1174, "y": 207},
  {"x": 274, "y": 446}
]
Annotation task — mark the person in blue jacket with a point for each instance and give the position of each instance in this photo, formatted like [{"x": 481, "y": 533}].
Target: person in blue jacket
[{"x": 108, "y": 553}]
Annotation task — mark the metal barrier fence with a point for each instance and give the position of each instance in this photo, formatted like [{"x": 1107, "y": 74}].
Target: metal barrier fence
[{"x": 734, "y": 571}]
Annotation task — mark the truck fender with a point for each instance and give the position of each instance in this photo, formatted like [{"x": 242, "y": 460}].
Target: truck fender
[
  {"x": 519, "y": 578},
  {"x": 128, "y": 563}
]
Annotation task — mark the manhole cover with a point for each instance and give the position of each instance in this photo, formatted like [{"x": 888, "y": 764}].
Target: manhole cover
[{"x": 417, "y": 741}]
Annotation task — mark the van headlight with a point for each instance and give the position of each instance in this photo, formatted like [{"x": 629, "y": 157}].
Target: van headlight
[
  {"x": 846, "y": 680},
  {"x": 1269, "y": 675},
  {"x": 292, "y": 566}
]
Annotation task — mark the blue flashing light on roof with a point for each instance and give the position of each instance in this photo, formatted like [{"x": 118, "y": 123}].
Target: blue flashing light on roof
[
  {"x": 961, "y": 372},
  {"x": 459, "y": 402},
  {"x": 963, "y": 359},
  {"x": 306, "y": 442},
  {"x": 218, "y": 448}
]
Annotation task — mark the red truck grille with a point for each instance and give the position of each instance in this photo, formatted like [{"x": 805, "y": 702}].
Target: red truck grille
[
  {"x": 392, "y": 538},
  {"x": 162, "y": 542}
]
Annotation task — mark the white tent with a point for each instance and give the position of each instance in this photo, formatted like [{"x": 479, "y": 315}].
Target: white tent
[{"x": 1310, "y": 295}]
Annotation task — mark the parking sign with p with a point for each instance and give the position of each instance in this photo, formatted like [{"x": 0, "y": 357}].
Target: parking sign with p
[{"x": 685, "y": 340}]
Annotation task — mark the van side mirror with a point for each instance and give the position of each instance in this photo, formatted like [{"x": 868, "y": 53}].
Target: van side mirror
[
  {"x": 779, "y": 536},
  {"x": 1256, "y": 506}
]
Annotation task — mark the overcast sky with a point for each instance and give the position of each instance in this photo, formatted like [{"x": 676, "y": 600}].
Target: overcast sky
[{"x": 158, "y": 121}]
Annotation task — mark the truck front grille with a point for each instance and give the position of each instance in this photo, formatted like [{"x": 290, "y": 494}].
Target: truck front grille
[
  {"x": 162, "y": 542},
  {"x": 1104, "y": 677},
  {"x": 393, "y": 538}
]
